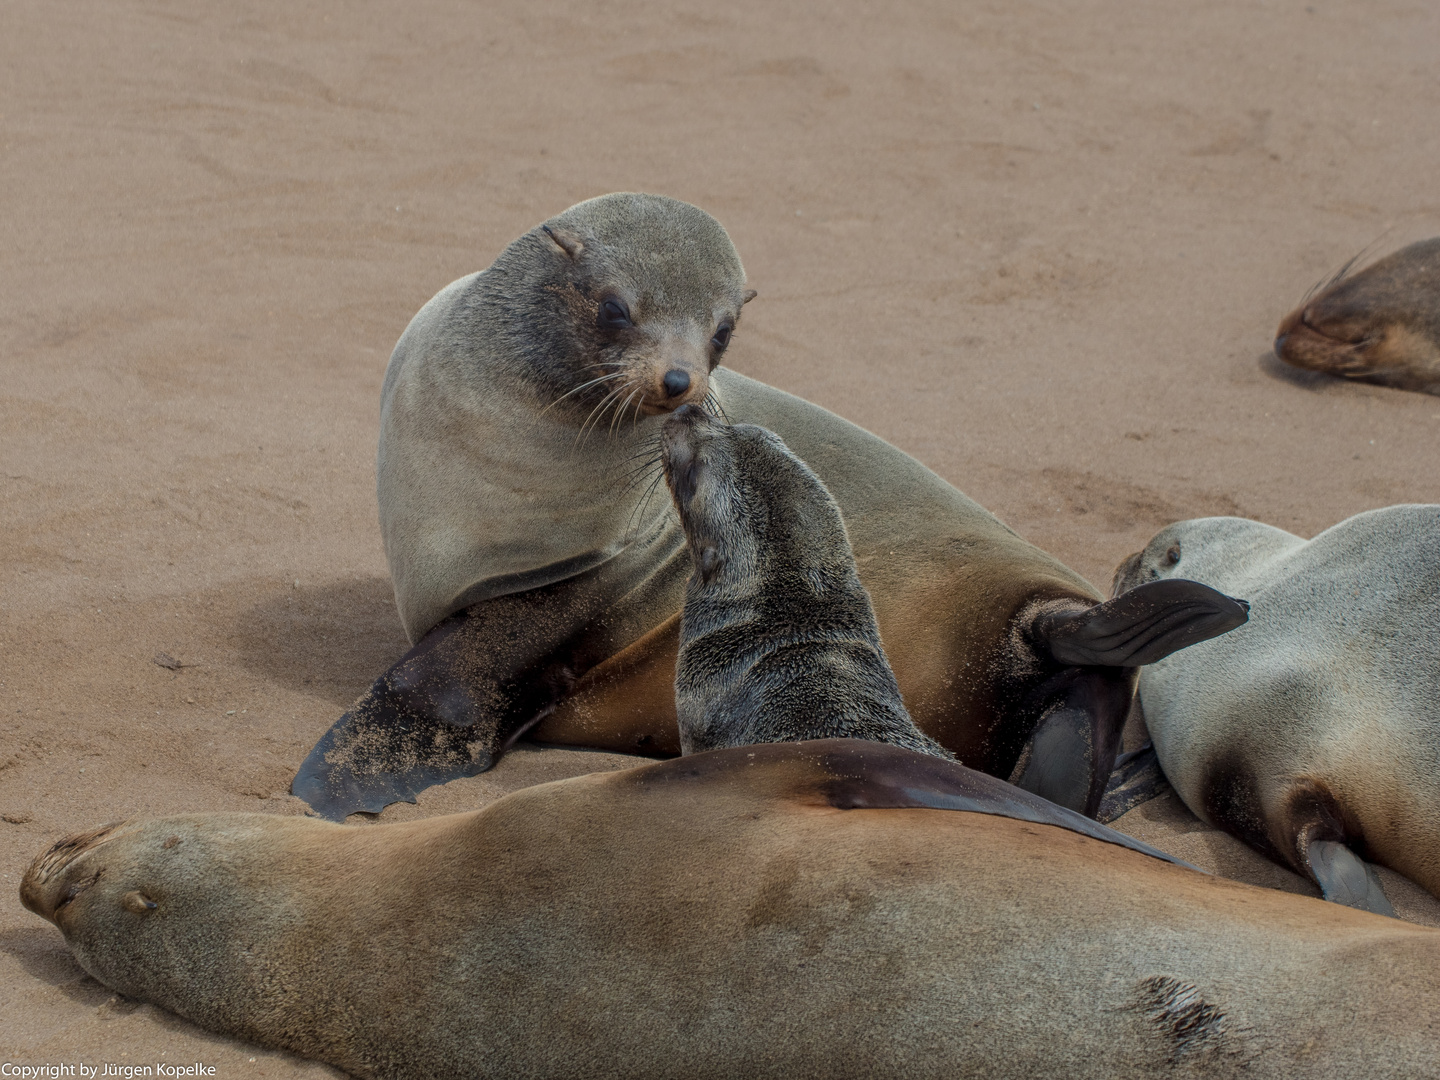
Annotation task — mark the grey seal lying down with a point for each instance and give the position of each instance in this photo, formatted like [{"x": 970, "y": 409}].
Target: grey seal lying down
[{"x": 1313, "y": 732}]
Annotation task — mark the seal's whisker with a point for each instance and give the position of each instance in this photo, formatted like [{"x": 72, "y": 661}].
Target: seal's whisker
[
  {"x": 635, "y": 417},
  {"x": 620, "y": 412},
  {"x": 616, "y": 408},
  {"x": 582, "y": 386},
  {"x": 604, "y": 403},
  {"x": 1344, "y": 271},
  {"x": 642, "y": 474},
  {"x": 645, "y": 499},
  {"x": 714, "y": 407},
  {"x": 648, "y": 449},
  {"x": 637, "y": 514}
]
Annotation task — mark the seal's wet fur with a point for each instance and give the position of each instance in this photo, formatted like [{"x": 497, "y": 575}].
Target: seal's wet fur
[{"x": 778, "y": 641}]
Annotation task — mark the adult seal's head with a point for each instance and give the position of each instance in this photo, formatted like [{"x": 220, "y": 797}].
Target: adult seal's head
[
  {"x": 620, "y": 306},
  {"x": 517, "y": 395},
  {"x": 1381, "y": 325},
  {"x": 778, "y": 641}
]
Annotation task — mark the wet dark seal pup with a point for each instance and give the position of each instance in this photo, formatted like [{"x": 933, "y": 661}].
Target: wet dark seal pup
[
  {"x": 1380, "y": 325},
  {"x": 543, "y": 590},
  {"x": 813, "y": 910},
  {"x": 778, "y": 641},
  {"x": 1313, "y": 732}
]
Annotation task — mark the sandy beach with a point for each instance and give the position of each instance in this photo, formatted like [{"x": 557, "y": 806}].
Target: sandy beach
[{"x": 1042, "y": 247}]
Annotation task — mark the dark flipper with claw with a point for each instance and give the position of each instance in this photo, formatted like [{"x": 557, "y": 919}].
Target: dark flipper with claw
[
  {"x": 1071, "y": 750},
  {"x": 1146, "y": 624},
  {"x": 437, "y": 715}
]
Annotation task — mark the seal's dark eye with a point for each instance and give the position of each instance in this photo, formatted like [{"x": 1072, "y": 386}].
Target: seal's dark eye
[
  {"x": 614, "y": 315},
  {"x": 722, "y": 337},
  {"x": 1173, "y": 555}
]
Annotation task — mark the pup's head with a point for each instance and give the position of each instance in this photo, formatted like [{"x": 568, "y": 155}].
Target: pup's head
[{"x": 752, "y": 511}]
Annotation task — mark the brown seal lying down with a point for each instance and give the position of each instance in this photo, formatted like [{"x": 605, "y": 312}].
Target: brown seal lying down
[
  {"x": 542, "y": 586},
  {"x": 1381, "y": 325},
  {"x": 778, "y": 642},
  {"x": 794, "y": 910}
]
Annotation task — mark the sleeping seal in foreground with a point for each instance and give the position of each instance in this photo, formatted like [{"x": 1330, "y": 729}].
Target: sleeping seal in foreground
[
  {"x": 1381, "y": 325},
  {"x": 794, "y": 910},
  {"x": 542, "y": 586},
  {"x": 1313, "y": 732},
  {"x": 778, "y": 642}
]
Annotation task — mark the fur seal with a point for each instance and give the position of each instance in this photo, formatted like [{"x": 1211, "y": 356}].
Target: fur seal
[
  {"x": 543, "y": 587},
  {"x": 820, "y": 909},
  {"x": 1313, "y": 732},
  {"x": 778, "y": 641},
  {"x": 1381, "y": 325}
]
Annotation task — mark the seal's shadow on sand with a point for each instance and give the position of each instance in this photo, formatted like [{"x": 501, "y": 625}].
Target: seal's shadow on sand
[
  {"x": 1276, "y": 368},
  {"x": 41, "y": 951},
  {"x": 329, "y": 640}
]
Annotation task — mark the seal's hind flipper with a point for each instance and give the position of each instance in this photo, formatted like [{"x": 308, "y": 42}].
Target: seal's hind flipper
[
  {"x": 1345, "y": 878},
  {"x": 1068, "y": 755},
  {"x": 858, "y": 774},
  {"x": 1146, "y": 624},
  {"x": 1137, "y": 778}
]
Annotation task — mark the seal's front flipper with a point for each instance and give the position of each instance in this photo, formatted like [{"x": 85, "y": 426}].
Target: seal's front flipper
[
  {"x": 447, "y": 709},
  {"x": 1069, "y": 754},
  {"x": 368, "y": 761},
  {"x": 1345, "y": 878},
  {"x": 1136, "y": 778},
  {"x": 1146, "y": 624}
]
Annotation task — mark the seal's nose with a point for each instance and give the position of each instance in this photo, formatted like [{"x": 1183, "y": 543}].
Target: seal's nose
[
  {"x": 676, "y": 382},
  {"x": 1280, "y": 346}
]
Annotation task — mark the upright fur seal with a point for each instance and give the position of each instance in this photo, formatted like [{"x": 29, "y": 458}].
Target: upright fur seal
[
  {"x": 1312, "y": 733},
  {"x": 795, "y": 910},
  {"x": 1381, "y": 325},
  {"x": 778, "y": 641},
  {"x": 542, "y": 588}
]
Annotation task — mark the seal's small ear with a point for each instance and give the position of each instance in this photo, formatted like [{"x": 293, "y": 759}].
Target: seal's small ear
[
  {"x": 710, "y": 561},
  {"x": 567, "y": 242},
  {"x": 1146, "y": 624},
  {"x": 748, "y": 295}
]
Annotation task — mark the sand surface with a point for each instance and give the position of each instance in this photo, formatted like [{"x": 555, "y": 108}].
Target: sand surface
[{"x": 1043, "y": 247}]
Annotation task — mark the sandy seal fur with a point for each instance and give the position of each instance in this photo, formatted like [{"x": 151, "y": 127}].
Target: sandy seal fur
[{"x": 798, "y": 910}]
